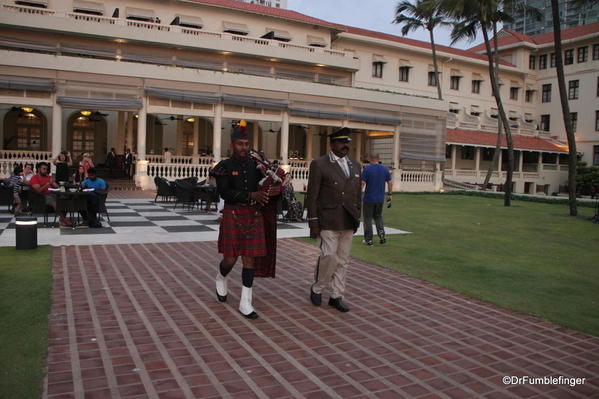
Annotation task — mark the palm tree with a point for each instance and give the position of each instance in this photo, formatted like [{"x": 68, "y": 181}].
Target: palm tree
[
  {"x": 561, "y": 83},
  {"x": 472, "y": 15},
  {"x": 424, "y": 14}
]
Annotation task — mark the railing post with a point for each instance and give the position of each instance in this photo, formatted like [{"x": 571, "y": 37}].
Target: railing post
[{"x": 216, "y": 132}]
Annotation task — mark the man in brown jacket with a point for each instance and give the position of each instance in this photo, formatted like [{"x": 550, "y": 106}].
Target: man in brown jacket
[{"x": 333, "y": 203}]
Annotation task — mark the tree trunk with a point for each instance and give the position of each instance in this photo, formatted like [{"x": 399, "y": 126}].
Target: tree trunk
[
  {"x": 499, "y": 124},
  {"x": 506, "y": 125},
  {"x": 439, "y": 93},
  {"x": 572, "y": 157}
]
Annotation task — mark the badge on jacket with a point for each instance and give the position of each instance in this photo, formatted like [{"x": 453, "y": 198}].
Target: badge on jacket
[{"x": 235, "y": 173}]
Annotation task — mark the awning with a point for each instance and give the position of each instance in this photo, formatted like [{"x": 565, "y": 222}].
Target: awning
[
  {"x": 88, "y": 6},
  {"x": 87, "y": 50},
  {"x": 405, "y": 64},
  {"x": 515, "y": 84},
  {"x": 378, "y": 58},
  {"x": 188, "y": 21},
  {"x": 374, "y": 118},
  {"x": 183, "y": 95},
  {"x": 456, "y": 72},
  {"x": 431, "y": 68},
  {"x": 139, "y": 13},
  {"x": 277, "y": 34},
  {"x": 316, "y": 41},
  {"x": 15, "y": 83},
  {"x": 478, "y": 76},
  {"x": 254, "y": 102},
  {"x": 233, "y": 27},
  {"x": 43, "y": 3},
  {"x": 421, "y": 147},
  {"x": 105, "y": 104},
  {"x": 147, "y": 57},
  {"x": 489, "y": 140},
  {"x": 317, "y": 113},
  {"x": 26, "y": 44},
  {"x": 530, "y": 87}
]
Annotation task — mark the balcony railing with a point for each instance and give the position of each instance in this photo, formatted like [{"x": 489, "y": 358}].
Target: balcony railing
[{"x": 175, "y": 28}]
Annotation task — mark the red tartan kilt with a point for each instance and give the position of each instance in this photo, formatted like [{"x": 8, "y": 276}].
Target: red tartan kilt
[{"x": 241, "y": 232}]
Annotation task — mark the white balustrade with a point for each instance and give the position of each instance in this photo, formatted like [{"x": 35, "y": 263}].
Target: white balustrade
[
  {"x": 171, "y": 171},
  {"x": 298, "y": 163},
  {"x": 92, "y": 18},
  {"x": 181, "y": 159},
  {"x": 28, "y": 10},
  {"x": 22, "y": 155}
]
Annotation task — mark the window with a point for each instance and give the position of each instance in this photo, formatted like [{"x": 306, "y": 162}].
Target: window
[
  {"x": 514, "y": 93},
  {"x": 569, "y": 57},
  {"x": 467, "y": 153},
  {"x": 404, "y": 74},
  {"x": 476, "y": 86},
  {"x": 573, "y": 90},
  {"x": 377, "y": 69},
  {"x": 582, "y": 54},
  {"x": 488, "y": 154},
  {"x": 596, "y": 51},
  {"x": 543, "y": 61},
  {"x": 546, "y": 93},
  {"x": 455, "y": 83},
  {"x": 552, "y": 60},
  {"x": 574, "y": 120},
  {"x": 529, "y": 96},
  {"x": 545, "y": 123},
  {"x": 532, "y": 62},
  {"x": 432, "y": 80},
  {"x": 597, "y": 121},
  {"x": 596, "y": 155}
]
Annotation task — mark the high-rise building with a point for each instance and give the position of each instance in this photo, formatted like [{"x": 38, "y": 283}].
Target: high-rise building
[
  {"x": 269, "y": 3},
  {"x": 570, "y": 15}
]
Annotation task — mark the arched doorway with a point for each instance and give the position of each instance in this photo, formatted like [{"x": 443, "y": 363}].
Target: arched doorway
[
  {"x": 87, "y": 133},
  {"x": 25, "y": 128}
]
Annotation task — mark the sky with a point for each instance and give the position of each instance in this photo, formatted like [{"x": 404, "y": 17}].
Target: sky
[{"x": 370, "y": 14}]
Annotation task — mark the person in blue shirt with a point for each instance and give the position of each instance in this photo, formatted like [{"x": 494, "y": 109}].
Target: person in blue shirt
[
  {"x": 93, "y": 199},
  {"x": 374, "y": 176}
]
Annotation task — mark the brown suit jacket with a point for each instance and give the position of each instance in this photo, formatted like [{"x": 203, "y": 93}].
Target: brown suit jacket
[{"x": 333, "y": 200}]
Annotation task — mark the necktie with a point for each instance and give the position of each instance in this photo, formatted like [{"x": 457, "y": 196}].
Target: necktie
[{"x": 343, "y": 164}]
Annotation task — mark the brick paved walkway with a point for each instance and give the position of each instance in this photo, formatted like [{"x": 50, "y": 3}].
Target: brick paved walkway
[{"x": 142, "y": 321}]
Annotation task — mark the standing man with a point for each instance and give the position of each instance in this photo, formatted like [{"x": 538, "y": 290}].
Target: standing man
[
  {"x": 333, "y": 203},
  {"x": 127, "y": 163},
  {"x": 167, "y": 155},
  {"x": 111, "y": 161},
  {"x": 374, "y": 177},
  {"x": 242, "y": 227}
]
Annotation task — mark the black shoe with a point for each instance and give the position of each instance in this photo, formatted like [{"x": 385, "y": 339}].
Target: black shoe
[
  {"x": 338, "y": 304},
  {"x": 221, "y": 298},
  {"x": 367, "y": 242},
  {"x": 315, "y": 298},
  {"x": 251, "y": 316},
  {"x": 382, "y": 237}
]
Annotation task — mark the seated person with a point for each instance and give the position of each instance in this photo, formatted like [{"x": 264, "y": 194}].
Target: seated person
[
  {"x": 15, "y": 182},
  {"x": 28, "y": 173},
  {"x": 295, "y": 211},
  {"x": 78, "y": 176},
  {"x": 93, "y": 199},
  {"x": 41, "y": 183}
]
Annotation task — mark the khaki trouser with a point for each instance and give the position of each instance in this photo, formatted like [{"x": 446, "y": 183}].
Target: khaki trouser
[{"x": 331, "y": 267}]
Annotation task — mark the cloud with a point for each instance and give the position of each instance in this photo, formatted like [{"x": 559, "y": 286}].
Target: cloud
[{"x": 372, "y": 14}]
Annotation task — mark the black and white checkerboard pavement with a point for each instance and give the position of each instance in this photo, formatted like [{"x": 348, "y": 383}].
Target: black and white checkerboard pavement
[{"x": 141, "y": 221}]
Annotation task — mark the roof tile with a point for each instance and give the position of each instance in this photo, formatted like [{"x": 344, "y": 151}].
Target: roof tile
[{"x": 470, "y": 137}]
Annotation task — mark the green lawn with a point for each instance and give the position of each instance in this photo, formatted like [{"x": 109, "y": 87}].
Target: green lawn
[
  {"x": 25, "y": 286},
  {"x": 530, "y": 257}
]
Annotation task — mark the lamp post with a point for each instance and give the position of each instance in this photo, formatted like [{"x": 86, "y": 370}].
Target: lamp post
[{"x": 26, "y": 232}]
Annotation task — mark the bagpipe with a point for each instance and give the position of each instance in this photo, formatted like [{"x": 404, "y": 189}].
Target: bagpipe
[{"x": 273, "y": 173}]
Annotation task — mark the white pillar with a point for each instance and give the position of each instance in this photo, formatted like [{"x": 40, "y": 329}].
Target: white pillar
[
  {"x": 285, "y": 139},
  {"x": 396, "y": 147},
  {"x": 196, "y": 140},
  {"x": 309, "y": 136},
  {"x": 454, "y": 150},
  {"x": 255, "y": 135},
  {"x": 141, "y": 164},
  {"x": 540, "y": 163},
  {"x": 141, "y": 131},
  {"x": 477, "y": 162},
  {"x": 499, "y": 162},
  {"x": 56, "y": 128},
  {"x": 129, "y": 130},
  {"x": 358, "y": 145},
  {"x": 216, "y": 132},
  {"x": 521, "y": 162}
]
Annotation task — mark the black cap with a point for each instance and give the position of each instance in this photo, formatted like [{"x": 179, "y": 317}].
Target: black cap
[
  {"x": 341, "y": 135},
  {"x": 239, "y": 131}
]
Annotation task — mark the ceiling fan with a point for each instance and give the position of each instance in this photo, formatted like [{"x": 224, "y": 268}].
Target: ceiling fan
[{"x": 172, "y": 118}]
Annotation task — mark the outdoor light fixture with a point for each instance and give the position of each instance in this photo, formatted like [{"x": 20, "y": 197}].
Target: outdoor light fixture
[
  {"x": 29, "y": 115},
  {"x": 136, "y": 116},
  {"x": 27, "y": 109},
  {"x": 226, "y": 53},
  {"x": 86, "y": 113},
  {"x": 191, "y": 119},
  {"x": 82, "y": 118},
  {"x": 320, "y": 65},
  {"x": 273, "y": 59}
]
